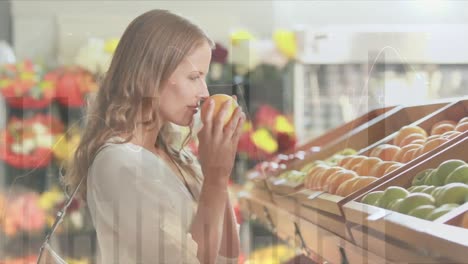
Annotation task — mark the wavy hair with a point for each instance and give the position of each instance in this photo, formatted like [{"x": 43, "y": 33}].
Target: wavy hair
[{"x": 149, "y": 51}]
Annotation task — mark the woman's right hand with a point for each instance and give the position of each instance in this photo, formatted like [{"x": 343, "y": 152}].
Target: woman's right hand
[{"x": 218, "y": 142}]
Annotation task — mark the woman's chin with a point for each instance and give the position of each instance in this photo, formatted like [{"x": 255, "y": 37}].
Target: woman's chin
[{"x": 184, "y": 123}]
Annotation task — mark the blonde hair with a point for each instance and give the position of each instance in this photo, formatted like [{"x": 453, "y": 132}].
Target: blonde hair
[{"x": 151, "y": 48}]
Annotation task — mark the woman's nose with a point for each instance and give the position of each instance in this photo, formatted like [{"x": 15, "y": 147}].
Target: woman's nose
[{"x": 204, "y": 93}]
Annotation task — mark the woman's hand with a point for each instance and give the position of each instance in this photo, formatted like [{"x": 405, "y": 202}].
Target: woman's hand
[{"x": 218, "y": 142}]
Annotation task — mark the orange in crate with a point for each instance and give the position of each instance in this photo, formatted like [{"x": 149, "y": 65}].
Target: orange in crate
[
  {"x": 347, "y": 186},
  {"x": 380, "y": 168},
  {"x": 355, "y": 160},
  {"x": 407, "y": 130},
  {"x": 392, "y": 168},
  {"x": 361, "y": 183},
  {"x": 432, "y": 144},
  {"x": 399, "y": 156},
  {"x": 323, "y": 178},
  {"x": 463, "y": 120},
  {"x": 451, "y": 134},
  {"x": 442, "y": 128},
  {"x": 412, "y": 138},
  {"x": 387, "y": 152},
  {"x": 314, "y": 173},
  {"x": 344, "y": 160},
  {"x": 365, "y": 166},
  {"x": 339, "y": 178},
  {"x": 462, "y": 127}
]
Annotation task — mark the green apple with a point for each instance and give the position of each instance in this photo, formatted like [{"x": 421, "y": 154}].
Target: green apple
[
  {"x": 428, "y": 178},
  {"x": 440, "y": 211},
  {"x": 421, "y": 177},
  {"x": 428, "y": 189},
  {"x": 436, "y": 191},
  {"x": 419, "y": 188},
  {"x": 453, "y": 193},
  {"x": 372, "y": 198},
  {"x": 444, "y": 169},
  {"x": 348, "y": 151},
  {"x": 395, "y": 205},
  {"x": 415, "y": 200},
  {"x": 460, "y": 174},
  {"x": 391, "y": 194},
  {"x": 422, "y": 211}
]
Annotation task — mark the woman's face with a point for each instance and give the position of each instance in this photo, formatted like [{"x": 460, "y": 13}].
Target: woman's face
[{"x": 180, "y": 97}]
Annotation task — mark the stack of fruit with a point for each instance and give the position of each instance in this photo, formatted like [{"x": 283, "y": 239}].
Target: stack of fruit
[
  {"x": 354, "y": 172},
  {"x": 413, "y": 141},
  {"x": 434, "y": 192},
  {"x": 299, "y": 176}
]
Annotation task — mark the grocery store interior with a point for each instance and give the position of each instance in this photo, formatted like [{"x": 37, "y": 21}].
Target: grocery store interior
[{"x": 354, "y": 144}]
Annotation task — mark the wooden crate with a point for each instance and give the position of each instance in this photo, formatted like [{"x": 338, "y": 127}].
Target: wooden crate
[
  {"x": 439, "y": 238},
  {"x": 369, "y": 133},
  {"x": 344, "y": 129},
  {"x": 455, "y": 111},
  {"x": 330, "y": 136},
  {"x": 388, "y": 248},
  {"x": 332, "y": 248},
  {"x": 373, "y": 131}
]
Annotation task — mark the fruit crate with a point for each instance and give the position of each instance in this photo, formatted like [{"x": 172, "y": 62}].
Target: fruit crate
[
  {"x": 360, "y": 138},
  {"x": 452, "y": 112},
  {"x": 342, "y": 131},
  {"x": 332, "y": 203},
  {"x": 442, "y": 239},
  {"x": 369, "y": 133},
  {"x": 317, "y": 143}
]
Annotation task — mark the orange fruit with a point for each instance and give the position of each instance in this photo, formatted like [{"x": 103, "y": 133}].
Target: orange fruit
[
  {"x": 375, "y": 151},
  {"x": 355, "y": 160},
  {"x": 380, "y": 168},
  {"x": 347, "y": 187},
  {"x": 313, "y": 173},
  {"x": 327, "y": 180},
  {"x": 462, "y": 127},
  {"x": 463, "y": 120},
  {"x": 366, "y": 165},
  {"x": 418, "y": 152},
  {"x": 344, "y": 160},
  {"x": 392, "y": 168},
  {"x": 432, "y": 137},
  {"x": 405, "y": 131},
  {"x": 408, "y": 156},
  {"x": 338, "y": 179},
  {"x": 362, "y": 182},
  {"x": 322, "y": 179},
  {"x": 442, "y": 128},
  {"x": 451, "y": 134},
  {"x": 411, "y": 138},
  {"x": 403, "y": 151},
  {"x": 433, "y": 144},
  {"x": 387, "y": 152},
  {"x": 219, "y": 100},
  {"x": 450, "y": 122}
]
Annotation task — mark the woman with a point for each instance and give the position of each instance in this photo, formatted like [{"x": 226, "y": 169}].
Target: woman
[{"x": 150, "y": 201}]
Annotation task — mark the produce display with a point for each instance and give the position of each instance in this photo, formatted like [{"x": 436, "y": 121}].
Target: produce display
[
  {"x": 354, "y": 172},
  {"x": 434, "y": 192},
  {"x": 298, "y": 176}
]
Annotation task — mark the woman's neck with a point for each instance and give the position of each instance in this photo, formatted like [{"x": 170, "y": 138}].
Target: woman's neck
[{"x": 145, "y": 136}]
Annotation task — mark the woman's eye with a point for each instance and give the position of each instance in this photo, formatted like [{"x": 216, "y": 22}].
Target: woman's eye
[{"x": 193, "y": 78}]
